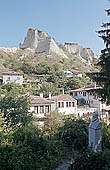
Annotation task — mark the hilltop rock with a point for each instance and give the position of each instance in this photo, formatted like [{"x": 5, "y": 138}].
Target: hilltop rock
[
  {"x": 85, "y": 54},
  {"x": 40, "y": 42},
  {"x": 8, "y": 49}
]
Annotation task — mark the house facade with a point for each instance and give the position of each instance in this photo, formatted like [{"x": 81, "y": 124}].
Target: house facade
[
  {"x": 40, "y": 106},
  {"x": 92, "y": 100},
  {"x": 73, "y": 73},
  {"x": 65, "y": 104},
  {"x": 13, "y": 77}
]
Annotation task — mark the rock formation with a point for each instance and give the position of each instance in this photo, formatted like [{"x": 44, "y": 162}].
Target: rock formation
[
  {"x": 8, "y": 49},
  {"x": 85, "y": 54},
  {"x": 40, "y": 42}
]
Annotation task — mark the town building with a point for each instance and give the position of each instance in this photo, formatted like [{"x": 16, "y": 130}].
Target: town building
[
  {"x": 91, "y": 99},
  {"x": 13, "y": 77},
  {"x": 40, "y": 106},
  {"x": 65, "y": 104},
  {"x": 73, "y": 73}
]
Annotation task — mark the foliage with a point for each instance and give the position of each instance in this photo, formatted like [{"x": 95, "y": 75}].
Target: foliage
[
  {"x": 13, "y": 88},
  {"x": 62, "y": 137},
  {"x": 81, "y": 102},
  {"x": 47, "y": 88},
  {"x": 105, "y": 136},
  {"x": 74, "y": 134},
  {"x": 103, "y": 77},
  {"x": 14, "y": 111},
  {"x": 92, "y": 160},
  {"x": 53, "y": 121},
  {"x": 74, "y": 83},
  {"x": 28, "y": 146},
  {"x": 14, "y": 157}
]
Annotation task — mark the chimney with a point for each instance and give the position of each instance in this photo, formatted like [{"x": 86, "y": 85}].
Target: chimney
[
  {"x": 41, "y": 95},
  {"x": 63, "y": 91},
  {"x": 50, "y": 96}
]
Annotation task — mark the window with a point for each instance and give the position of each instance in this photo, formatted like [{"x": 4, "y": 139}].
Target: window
[
  {"x": 75, "y": 93},
  {"x": 69, "y": 104},
  {"x": 58, "y": 104},
  {"x": 71, "y": 93},
  {"x": 41, "y": 109},
  {"x": 87, "y": 101},
  {"x": 46, "y": 109},
  {"x": 66, "y": 104},
  {"x": 36, "y": 109},
  {"x": 84, "y": 93},
  {"x": 8, "y": 78},
  {"x": 72, "y": 104},
  {"x": 91, "y": 101},
  {"x": 62, "y": 104},
  {"x": 18, "y": 78}
]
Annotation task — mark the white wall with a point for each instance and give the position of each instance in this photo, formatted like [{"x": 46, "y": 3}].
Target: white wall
[
  {"x": 52, "y": 107},
  {"x": 92, "y": 100},
  {"x": 13, "y": 78},
  {"x": 67, "y": 110}
]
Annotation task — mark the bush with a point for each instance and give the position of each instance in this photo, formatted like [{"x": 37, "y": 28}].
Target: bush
[
  {"x": 42, "y": 152},
  {"x": 74, "y": 134},
  {"x": 90, "y": 160},
  {"x": 16, "y": 158}
]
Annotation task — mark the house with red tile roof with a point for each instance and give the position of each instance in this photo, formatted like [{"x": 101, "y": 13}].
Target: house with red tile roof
[
  {"x": 40, "y": 106},
  {"x": 65, "y": 104},
  {"x": 92, "y": 100}
]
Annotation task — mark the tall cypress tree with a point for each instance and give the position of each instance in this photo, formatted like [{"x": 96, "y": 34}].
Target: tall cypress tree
[{"x": 102, "y": 78}]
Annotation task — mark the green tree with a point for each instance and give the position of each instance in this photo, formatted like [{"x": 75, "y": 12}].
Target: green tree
[
  {"x": 74, "y": 134},
  {"x": 13, "y": 88},
  {"x": 49, "y": 87},
  {"x": 92, "y": 160},
  {"x": 103, "y": 76},
  {"x": 14, "y": 111}
]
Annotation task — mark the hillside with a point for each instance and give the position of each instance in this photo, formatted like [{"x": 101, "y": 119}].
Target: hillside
[{"x": 39, "y": 47}]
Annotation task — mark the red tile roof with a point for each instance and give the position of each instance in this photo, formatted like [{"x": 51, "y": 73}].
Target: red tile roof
[
  {"x": 87, "y": 88},
  {"x": 39, "y": 100},
  {"x": 62, "y": 97}
]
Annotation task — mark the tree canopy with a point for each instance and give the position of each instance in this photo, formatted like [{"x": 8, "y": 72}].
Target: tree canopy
[
  {"x": 14, "y": 111},
  {"x": 103, "y": 76}
]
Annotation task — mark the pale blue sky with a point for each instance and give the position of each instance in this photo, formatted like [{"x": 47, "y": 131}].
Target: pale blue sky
[{"x": 65, "y": 20}]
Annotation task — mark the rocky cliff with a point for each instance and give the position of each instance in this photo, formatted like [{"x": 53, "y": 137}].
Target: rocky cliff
[
  {"x": 41, "y": 42},
  {"x": 85, "y": 54},
  {"x": 39, "y": 47}
]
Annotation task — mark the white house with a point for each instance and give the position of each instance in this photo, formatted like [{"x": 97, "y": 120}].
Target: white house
[
  {"x": 40, "y": 106},
  {"x": 91, "y": 99},
  {"x": 68, "y": 74},
  {"x": 77, "y": 73},
  {"x": 73, "y": 73},
  {"x": 13, "y": 77},
  {"x": 65, "y": 104}
]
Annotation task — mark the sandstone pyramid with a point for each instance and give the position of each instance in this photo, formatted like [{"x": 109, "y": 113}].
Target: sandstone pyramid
[{"x": 40, "y": 42}]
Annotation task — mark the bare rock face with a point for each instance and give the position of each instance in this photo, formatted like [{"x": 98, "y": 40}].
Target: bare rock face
[
  {"x": 8, "y": 49},
  {"x": 85, "y": 54},
  {"x": 40, "y": 42}
]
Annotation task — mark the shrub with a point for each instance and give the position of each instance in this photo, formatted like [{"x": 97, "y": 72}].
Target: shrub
[{"x": 74, "y": 134}]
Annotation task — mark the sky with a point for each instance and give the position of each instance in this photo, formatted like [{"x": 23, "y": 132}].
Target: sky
[{"x": 66, "y": 20}]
